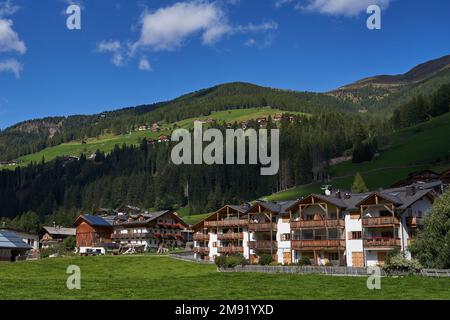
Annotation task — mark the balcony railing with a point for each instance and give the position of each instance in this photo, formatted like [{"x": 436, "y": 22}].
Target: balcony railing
[
  {"x": 231, "y": 250},
  {"x": 201, "y": 237},
  {"x": 230, "y": 236},
  {"x": 201, "y": 250},
  {"x": 414, "y": 222},
  {"x": 121, "y": 236},
  {"x": 382, "y": 242},
  {"x": 380, "y": 221},
  {"x": 262, "y": 244},
  {"x": 317, "y": 244},
  {"x": 227, "y": 223},
  {"x": 260, "y": 227},
  {"x": 317, "y": 224}
]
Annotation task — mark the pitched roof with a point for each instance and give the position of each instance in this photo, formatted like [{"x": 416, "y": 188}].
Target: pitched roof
[
  {"x": 61, "y": 231},
  {"x": 11, "y": 240},
  {"x": 96, "y": 221}
]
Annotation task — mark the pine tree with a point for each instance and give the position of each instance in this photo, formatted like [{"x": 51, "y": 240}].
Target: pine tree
[{"x": 359, "y": 186}]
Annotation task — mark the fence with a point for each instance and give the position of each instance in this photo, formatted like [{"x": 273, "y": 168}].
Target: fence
[
  {"x": 188, "y": 256},
  {"x": 344, "y": 271},
  {"x": 436, "y": 272}
]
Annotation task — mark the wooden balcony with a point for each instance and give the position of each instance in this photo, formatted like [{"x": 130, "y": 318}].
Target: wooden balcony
[
  {"x": 262, "y": 227},
  {"x": 380, "y": 222},
  {"x": 201, "y": 237},
  {"x": 381, "y": 242},
  {"x": 129, "y": 236},
  {"x": 231, "y": 250},
  {"x": 317, "y": 244},
  {"x": 227, "y": 223},
  {"x": 304, "y": 224},
  {"x": 201, "y": 250},
  {"x": 230, "y": 236},
  {"x": 262, "y": 245},
  {"x": 414, "y": 222}
]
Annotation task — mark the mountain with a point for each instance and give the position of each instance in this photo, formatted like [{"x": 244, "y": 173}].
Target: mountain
[
  {"x": 390, "y": 91},
  {"x": 375, "y": 94}
]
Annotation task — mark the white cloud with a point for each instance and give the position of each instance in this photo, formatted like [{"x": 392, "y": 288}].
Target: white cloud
[
  {"x": 11, "y": 65},
  {"x": 280, "y": 3},
  {"x": 167, "y": 28},
  {"x": 342, "y": 7},
  {"x": 144, "y": 64},
  {"x": 114, "y": 47},
  {"x": 9, "y": 39},
  {"x": 7, "y": 8},
  {"x": 253, "y": 28}
]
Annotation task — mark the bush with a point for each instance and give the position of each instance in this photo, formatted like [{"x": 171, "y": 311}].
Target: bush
[
  {"x": 328, "y": 264},
  {"x": 273, "y": 263},
  {"x": 265, "y": 259},
  {"x": 304, "y": 261},
  {"x": 230, "y": 261},
  {"x": 399, "y": 263}
]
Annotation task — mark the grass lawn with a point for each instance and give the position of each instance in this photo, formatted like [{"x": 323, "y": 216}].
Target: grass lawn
[{"x": 159, "y": 277}]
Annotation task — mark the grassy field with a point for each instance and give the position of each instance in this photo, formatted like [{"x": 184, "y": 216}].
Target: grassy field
[
  {"x": 156, "y": 277},
  {"x": 107, "y": 142}
]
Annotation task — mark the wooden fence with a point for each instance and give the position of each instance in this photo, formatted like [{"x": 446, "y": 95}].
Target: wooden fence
[{"x": 344, "y": 271}]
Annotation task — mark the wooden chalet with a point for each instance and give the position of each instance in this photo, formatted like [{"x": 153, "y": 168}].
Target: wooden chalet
[
  {"x": 93, "y": 232},
  {"x": 140, "y": 232},
  {"x": 55, "y": 235}
]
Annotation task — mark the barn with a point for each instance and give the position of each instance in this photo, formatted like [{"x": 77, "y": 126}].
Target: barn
[
  {"x": 12, "y": 247},
  {"x": 93, "y": 234}
]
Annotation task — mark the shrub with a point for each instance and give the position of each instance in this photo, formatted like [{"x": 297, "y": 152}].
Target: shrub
[
  {"x": 273, "y": 263},
  {"x": 265, "y": 259},
  {"x": 328, "y": 264},
  {"x": 304, "y": 261},
  {"x": 399, "y": 263},
  {"x": 220, "y": 261},
  {"x": 230, "y": 261}
]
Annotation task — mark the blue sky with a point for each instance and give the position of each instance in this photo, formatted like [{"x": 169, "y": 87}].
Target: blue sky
[{"x": 129, "y": 53}]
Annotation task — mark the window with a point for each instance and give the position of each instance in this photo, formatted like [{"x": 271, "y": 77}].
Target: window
[
  {"x": 355, "y": 235},
  {"x": 333, "y": 256},
  {"x": 285, "y": 237}
]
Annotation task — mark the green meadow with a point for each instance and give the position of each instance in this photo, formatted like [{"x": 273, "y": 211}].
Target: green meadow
[
  {"x": 107, "y": 143},
  {"x": 161, "y": 277}
]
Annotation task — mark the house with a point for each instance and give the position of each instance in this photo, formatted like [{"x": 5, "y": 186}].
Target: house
[
  {"x": 277, "y": 118},
  {"x": 143, "y": 231},
  {"x": 163, "y": 138},
  {"x": 155, "y": 127},
  {"x": 445, "y": 177},
  {"x": 419, "y": 177},
  {"x": 261, "y": 121},
  {"x": 93, "y": 234},
  {"x": 12, "y": 247},
  {"x": 31, "y": 239},
  {"x": 336, "y": 228},
  {"x": 223, "y": 232},
  {"x": 56, "y": 235}
]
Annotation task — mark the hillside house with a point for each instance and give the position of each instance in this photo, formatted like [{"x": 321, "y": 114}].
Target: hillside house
[
  {"x": 56, "y": 235},
  {"x": 155, "y": 127},
  {"x": 12, "y": 247},
  {"x": 163, "y": 138}
]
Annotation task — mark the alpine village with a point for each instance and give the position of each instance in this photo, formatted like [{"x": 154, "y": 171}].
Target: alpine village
[{"x": 364, "y": 176}]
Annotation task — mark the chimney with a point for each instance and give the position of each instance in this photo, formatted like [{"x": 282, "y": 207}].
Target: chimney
[
  {"x": 347, "y": 196},
  {"x": 338, "y": 194},
  {"x": 410, "y": 190}
]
